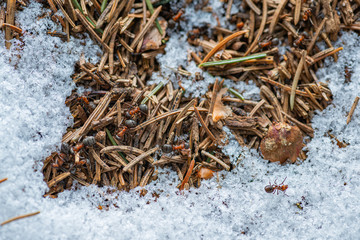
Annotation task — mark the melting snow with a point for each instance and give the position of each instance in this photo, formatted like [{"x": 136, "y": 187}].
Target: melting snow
[{"x": 33, "y": 119}]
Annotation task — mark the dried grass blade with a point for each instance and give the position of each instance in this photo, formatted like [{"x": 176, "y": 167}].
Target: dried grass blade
[
  {"x": 297, "y": 11},
  {"x": 221, "y": 44},
  {"x": 233, "y": 60}
]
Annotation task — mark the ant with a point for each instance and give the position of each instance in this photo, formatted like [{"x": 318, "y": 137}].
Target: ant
[
  {"x": 59, "y": 160},
  {"x": 307, "y": 15},
  {"x": 128, "y": 124},
  {"x": 133, "y": 110},
  {"x": 178, "y": 15},
  {"x": 269, "y": 43},
  {"x": 299, "y": 40},
  {"x": 88, "y": 141},
  {"x": 272, "y": 188},
  {"x": 167, "y": 148}
]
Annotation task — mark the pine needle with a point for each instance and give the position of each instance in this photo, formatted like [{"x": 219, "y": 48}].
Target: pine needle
[{"x": 233, "y": 60}]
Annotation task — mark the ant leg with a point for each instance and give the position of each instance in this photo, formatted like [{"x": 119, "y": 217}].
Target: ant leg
[
  {"x": 275, "y": 182},
  {"x": 283, "y": 181}
]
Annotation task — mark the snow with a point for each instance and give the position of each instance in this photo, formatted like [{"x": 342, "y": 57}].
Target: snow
[{"x": 33, "y": 119}]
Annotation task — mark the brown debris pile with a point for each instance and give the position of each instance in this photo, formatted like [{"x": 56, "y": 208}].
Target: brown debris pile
[{"x": 124, "y": 128}]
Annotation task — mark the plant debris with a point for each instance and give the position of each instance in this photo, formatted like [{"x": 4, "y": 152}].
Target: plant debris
[{"x": 124, "y": 128}]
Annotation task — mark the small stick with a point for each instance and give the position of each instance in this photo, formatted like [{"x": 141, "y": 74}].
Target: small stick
[
  {"x": 261, "y": 29},
  {"x": 253, "y": 111},
  {"x": 111, "y": 54},
  {"x": 146, "y": 28},
  {"x": 90, "y": 29},
  {"x": 58, "y": 178},
  {"x": 275, "y": 17},
  {"x": 286, "y": 88},
  {"x": 221, "y": 44},
  {"x": 65, "y": 13},
  {"x": 15, "y": 28},
  {"x": 188, "y": 174},
  {"x": 352, "y": 110},
  {"x": 98, "y": 159},
  {"x": 253, "y": 6},
  {"x": 203, "y": 123},
  {"x": 328, "y": 54},
  {"x": 10, "y": 16},
  {"x": 295, "y": 82},
  {"x": 151, "y": 10},
  {"x": 196, "y": 58},
  {"x": 139, "y": 158},
  {"x": 312, "y": 98},
  {"x": 228, "y": 9},
  {"x": 19, "y": 217},
  {"x": 224, "y": 165},
  {"x": 3, "y": 180},
  {"x": 316, "y": 35},
  {"x": 145, "y": 179},
  {"x": 265, "y": 91}
]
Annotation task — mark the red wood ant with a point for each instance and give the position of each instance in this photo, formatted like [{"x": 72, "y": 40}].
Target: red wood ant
[
  {"x": 88, "y": 141},
  {"x": 59, "y": 160},
  {"x": 269, "y": 43},
  {"x": 167, "y": 148},
  {"x": 307, "y": 14},
  {"x": 133, "y": 110},
  {"x": 272, "y": 188},
  {"x": 299, "y": 40},
  {"x": 178, "y": 15},
  {"x": 128, "y": 124}
]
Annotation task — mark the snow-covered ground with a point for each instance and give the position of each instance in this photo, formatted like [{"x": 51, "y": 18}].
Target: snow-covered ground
[{"x": 33, "y": 118}]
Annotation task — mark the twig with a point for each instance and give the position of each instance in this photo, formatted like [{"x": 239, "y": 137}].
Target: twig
[
  {"x": 151, "y": 9},
  {"x": 224, "y": 165},
  {"x": 203, "y": 124},
  {"x": 352, "y": 110},
  {"x": 261, "y": 28},
  {"x": 10, "y": 19},
  {"x": 3, "y": 180},
  {"x": 275, "y": 17},
  {"x": 295, "y": 82},
  {"x": 139, "y": 158},
  {"x": 146, "y": 28},
  {"x": 19, "y": 217},
  {"x": 188, "y": 174}
]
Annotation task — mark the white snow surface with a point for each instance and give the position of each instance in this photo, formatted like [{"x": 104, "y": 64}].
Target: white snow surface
[{"x": 33, "y": 119}]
